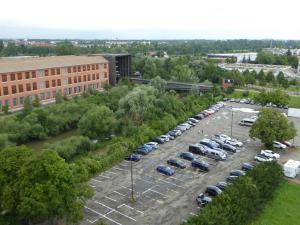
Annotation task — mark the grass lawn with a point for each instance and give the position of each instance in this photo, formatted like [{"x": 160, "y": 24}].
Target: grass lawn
[
  {"x": 294, "y": 103},
  {"x": 284, "y": 209}
]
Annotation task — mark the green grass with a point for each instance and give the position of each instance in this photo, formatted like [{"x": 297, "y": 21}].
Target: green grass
[
  {"x": 284, "y": 209},
  {"x": 294, "y": 103}
]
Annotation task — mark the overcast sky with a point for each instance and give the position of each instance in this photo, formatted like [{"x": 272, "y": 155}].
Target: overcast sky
[{"x": 212, "y": 19}]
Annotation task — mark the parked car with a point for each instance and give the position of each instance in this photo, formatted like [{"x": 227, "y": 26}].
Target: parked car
[
  {"x": 159, "y": 140},
  {"x": 147, "y": 147},
  {"x": 188, "y": 126},
  {"x": 191, "y": 123},
  {"x": 231, "y": 179},
  {"x": 237, "y": 173},
  {"x": 203, "y": 200},
  {"x": 199, "y": 116},
  {"x": 262, "y": 158},
  {"x": 177, "y": 163},
  {"x": 187, "y": 156},
  {"x": 165, "y": 170},
  {"x": 152, "y": 144},
  {"x": 193, "y": 120},
  {"x": 175, "y": 133},
  {"x": 222, "y": 137},
  {"x": 209, "y": 143},
  {"x": 277, "y": 144},
  {"x": 287, "y": 143},
  {"x": 197, "y": 149},
  {"x": 225, "y": 99},
  {"x": 222, "y": 185},
  {"x": 169, "y": 136},
  {"x": 228, "y": 147},
  {"x": 200, "y": 164},
  {"x": 165, "y": 138},
  {"x": 213, "y": 190},
  {"x": 215, "y": 154},
  {"x": 247, "y": 166},
  {"x": 133, "y": 157},
  {"x": 142, "y": 151},
  {"x": 234, "y": 142},
  {"x": 270, "y": 154}
]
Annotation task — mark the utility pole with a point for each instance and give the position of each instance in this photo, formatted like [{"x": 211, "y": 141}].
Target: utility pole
[
  {"x": 231, "y": 122},
  {"x": 132, "y": 197}
]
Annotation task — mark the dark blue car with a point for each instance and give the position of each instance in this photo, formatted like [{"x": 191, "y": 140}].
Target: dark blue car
[
  {"x": 165, "y": 170},
  {"x": 147, "y": 147},
  {"x": 142, "y": 151},
  {"x": 187, "y": 156},
  {"x": 133, "y": 157}
]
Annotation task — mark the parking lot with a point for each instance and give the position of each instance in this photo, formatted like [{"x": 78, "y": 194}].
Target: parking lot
[{"x": 167, "y": 200}]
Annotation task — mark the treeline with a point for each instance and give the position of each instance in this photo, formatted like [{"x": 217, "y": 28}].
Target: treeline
[
  {"x": 242, "y": 201},
  {"x": 272, "y": 59},
  {"x": 172, "y": 47}
]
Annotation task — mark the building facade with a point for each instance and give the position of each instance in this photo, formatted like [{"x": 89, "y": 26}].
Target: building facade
[{"x": 44, "y": 77}]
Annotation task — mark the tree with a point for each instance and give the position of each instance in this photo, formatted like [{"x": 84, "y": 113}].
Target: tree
[
  {"x": 159, "y": 84},
  {"x": 5, "y": 109},
  {"x": 65, "y": 48},
  {"x": 58, "y": 98},
  {"x": 272, "y": 126},
  {"x": 36, "y": 102},
  {"x": 1, "y": 45},
  {"x": 270, "y": 78},
  {"x": 98, "y": 122},
  {"x": 27, "y": 106}
]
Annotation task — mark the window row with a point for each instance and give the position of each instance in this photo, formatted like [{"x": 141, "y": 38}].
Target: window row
[
  {"x": 52, "y": 71},
  {"x": 84, "y": 78},
  {"x": 18, "y": 88},
  {"x": 75, "y": 69},
  {"x": 18, "y": 76}
]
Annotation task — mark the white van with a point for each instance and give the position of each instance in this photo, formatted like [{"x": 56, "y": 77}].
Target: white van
[
  {"x": 215, "y": 154},
  {"x": 248, "y": 122}
]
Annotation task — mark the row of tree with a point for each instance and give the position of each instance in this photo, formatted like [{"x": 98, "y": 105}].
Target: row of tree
[
  {"x": 272, "y": 59},
  {"x": 244, "y": 199}
]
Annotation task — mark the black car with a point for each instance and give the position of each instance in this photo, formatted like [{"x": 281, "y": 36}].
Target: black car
[
  {"x": 200, "y": 164},
  {"x": 187, "y": 156},
  {"x": 159, "y": 140},
  {"x": 177, "y": 163},
  {"x": 231, "y": 179},
  {"x": 237, "y": 173},
  {"x": 197, "y": 149},
  {"x": 222, "y": 185},
  {"x": 203, "y": 200},
  {"x": 199, "y": 116},
  {"x": 213, "y": 190},
  {"x": 247, "y": 166}
]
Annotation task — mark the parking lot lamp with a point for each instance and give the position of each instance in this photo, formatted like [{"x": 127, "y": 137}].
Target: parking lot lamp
[
  {"x": 132, "y": 197},
  {"x": 231, "y": 122}
]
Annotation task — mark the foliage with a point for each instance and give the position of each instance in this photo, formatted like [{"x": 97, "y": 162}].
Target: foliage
[
  {"x": 272, "y": 126},
  {"x": 276, "y": 97},
  {"x": 36, "y": 102},
  {"x": 242, "y": 200},
  {"x": 97, "y": 123},
  {"x": 58, "y": 98},
  {"x": 27, "y": 106},
  {"x": 159, "y": 84},
  {"x": 269, "y": 58}
]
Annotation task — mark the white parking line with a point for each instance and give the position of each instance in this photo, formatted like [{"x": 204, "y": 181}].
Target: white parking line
[
  {"x": 158, "y": 193},
  {"x": 117, "y": 168},
  {"x": 176, "y": 179},
  {"x": 150, "y": 182},
  {"x": 119, "y": 193},
  {"x": 110, "y": 198},
  {"x": 171, "y": 183},
  {"x": 130, "y": 208},
  {"x": 102, "y": 216},
  {"x": 111, "y": 172},
  {"x": 99, "y": 181},
  {"x": 93, "y": 186}
]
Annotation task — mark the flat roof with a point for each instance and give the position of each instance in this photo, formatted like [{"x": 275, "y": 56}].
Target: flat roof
[{"x": 8, "y": 65}]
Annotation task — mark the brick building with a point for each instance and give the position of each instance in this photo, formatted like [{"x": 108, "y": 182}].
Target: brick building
[
  {"x": 46, "y": 76},
  {"x": 227, "y": 83}
]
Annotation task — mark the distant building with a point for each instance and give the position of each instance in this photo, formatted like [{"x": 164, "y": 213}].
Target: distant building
[
  {"x": 282, "y": 51},
  {"x": 44, "y": 77},
  {"x": 236, "y": 57},
  {"x": 227, "y": 83}
]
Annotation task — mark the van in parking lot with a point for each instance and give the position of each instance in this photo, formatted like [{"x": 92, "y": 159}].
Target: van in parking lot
[
  {"x": 248, "y": 122},
  {"x": 200, "y": 164},
  {"x": 197, "y": 149},
  {"x": 215, "y": 154}
]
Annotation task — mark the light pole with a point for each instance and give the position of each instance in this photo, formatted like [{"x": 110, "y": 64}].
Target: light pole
[
  {"x": 132, "y": 197},
  {"x": 231, "y": 123}
]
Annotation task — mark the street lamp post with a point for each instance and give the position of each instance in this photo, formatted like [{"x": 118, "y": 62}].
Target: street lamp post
[
  {"x": 231, "y": 123},
  {"x": 132, "y": 197}
]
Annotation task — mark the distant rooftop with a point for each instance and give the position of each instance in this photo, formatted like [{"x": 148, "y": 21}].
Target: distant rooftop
[{"x": 35, "y": 63}]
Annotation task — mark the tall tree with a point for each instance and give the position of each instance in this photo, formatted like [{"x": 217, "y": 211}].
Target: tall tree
[{"x": 27, "y": 106}]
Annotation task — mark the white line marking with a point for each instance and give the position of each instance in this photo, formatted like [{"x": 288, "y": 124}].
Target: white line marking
[
  {"x": 111, "y": 172},
  {"x": 126, "y": 187},
  {"x": 93, "y": 186},
  {"x": 102, "y": 215},
  {"x": 171, "y": 183},
  {"x": 110, "y": 198},
  {"x": 193, "y": 214},
  {"x": 158, "y": 193},
  {"x": 120, "y": 169},
  {"x": 150, "y": 182},
  {"x": 96, "y": 180},
  {"x": 119, "y": 193},
  {"x": 105, "y": 176},
  {"x": 176, "y": 179},
  {"x": 133, "y": 208}
]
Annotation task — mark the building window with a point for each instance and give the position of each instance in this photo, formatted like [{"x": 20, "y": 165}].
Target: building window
[
  {"x": 53, "y": 83},
  {"x": 97, "y": 67},
  {"x": 12, "y": 77},
  {"x": 97, "y": 75},
  {"x": 34, "y": 86},
  {"x": 4, "y": 77},
  {"x": 21, "y": 88},
  {"x": 79, "y": 89},
  {"x": 105, "y": 66},
  {"x": 84, "y": 78},
  {"x": 5, "y": 90},
  {"x": 15, "y": 102},
  {"x": 57, "y": 71},
  {"x": 69, "y": 80},
  {"x": 79, "y": 79},
  {"x": 105, "y": 74},
  {"x": 79, "y": 68},
  {"x": 75, "y": 90},
  {"x": 42, "y": 84},
  {"x": 27, "y": 75},
  {"x": 84, "y": 68},
  {"x": 69, "y": 70},
  {"x": 89, "y": 77},
  {"x": 93, "y": 67},
  {"x": 28, "y": 87},
  {"x": 21, "y": 100},
  {"x": 70, "y": 91},
  {"x": 47, "y": 84},
  {"x": 13, "y": 89},
  {"x": 46, "y": 73},
  {"x": 65, "y": 81},
  {"x": 94, "y": 77},
  {"x": 74, "y": 69},
  {"x": 20, "y": 76},
  {"x": 65, "y": 91},
  {"x": 42, "y": 96},
  {"x": 33, "y": 74},
  {"x": 88, "y": 67},
  {"x": 52, "y": 71},
  {"x": 58, "y": 82},
  {"x": 75, "y": 80}
]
